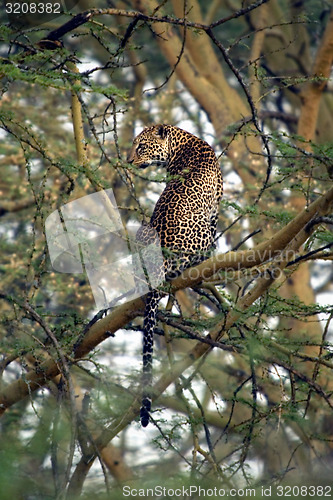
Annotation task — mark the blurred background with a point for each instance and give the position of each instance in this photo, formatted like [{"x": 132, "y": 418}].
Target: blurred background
[{"x": 253, "y": 80}]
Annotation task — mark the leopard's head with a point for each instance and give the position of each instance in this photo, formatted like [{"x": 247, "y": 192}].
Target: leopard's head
[{"x": 150, "y": 147}]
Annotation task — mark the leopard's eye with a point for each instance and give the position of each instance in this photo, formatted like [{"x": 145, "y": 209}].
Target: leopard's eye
[{"x": 141, "y": 148}]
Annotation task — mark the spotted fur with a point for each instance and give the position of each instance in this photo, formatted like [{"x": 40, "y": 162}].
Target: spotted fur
[{"x": 185, "y": 216}]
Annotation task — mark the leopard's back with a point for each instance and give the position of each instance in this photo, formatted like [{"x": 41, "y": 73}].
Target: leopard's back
[{"x": 185, "y": 216}]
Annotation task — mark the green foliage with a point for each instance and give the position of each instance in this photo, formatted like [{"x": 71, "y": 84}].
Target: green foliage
[{"x": 214, "y": 426}]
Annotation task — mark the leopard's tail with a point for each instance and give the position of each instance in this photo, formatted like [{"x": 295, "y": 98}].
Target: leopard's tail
[{"x": 149, "y": 326}]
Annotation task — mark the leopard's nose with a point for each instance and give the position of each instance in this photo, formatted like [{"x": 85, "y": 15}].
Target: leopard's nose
[{"x": 130, "y": 156}]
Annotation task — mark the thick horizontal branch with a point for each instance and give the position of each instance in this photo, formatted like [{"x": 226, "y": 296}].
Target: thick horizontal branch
[
  {"x": 200, "y": 349},
  {"x": 102, "y": 329},
  {"x": 290, "y": 238},
  {"x": 245, "y": 259}
]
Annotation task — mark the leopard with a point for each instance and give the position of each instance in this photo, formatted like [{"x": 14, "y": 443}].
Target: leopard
[{"x": 184, "y": 218}]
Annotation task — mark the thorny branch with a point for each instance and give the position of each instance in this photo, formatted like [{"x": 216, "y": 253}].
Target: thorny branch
[
  {"x": 101, "y": 328},
  {"x": 89, "y": 15},
  {"x": 84, "y": 17},
  {"x": 125, "y": 313},
  {"x": 201, "y": 349}
]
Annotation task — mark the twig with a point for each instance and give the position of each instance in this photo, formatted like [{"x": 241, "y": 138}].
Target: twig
[
  {"x": 80, "y": 141},
  {"x": 309, "y": 254},
  {"x": 128, "y": 311},
  {"x": 88, "y": 15},
  {"x": 237, "y": 74}
]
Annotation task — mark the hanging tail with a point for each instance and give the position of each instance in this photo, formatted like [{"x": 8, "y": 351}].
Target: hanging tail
[{"x": 149, "y": 325}]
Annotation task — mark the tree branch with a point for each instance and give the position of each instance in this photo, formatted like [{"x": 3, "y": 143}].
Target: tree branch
[
  {"x": 102, "y": 330},
  {"x": 199, "y": 350},
  {"x": 313, "y": 90},
  {"x": 80, "y": 141},
  {"x": 83, "y": 17}
]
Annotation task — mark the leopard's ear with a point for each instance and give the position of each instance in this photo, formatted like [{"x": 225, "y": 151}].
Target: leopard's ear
[{"x": 161, "y": 131}]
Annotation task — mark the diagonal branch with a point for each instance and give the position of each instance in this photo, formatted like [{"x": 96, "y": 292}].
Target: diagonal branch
[
  {"x": 289, "y": 239},
  {"x": 123, "y": 314},
  {"x": 197, "y": 352}
]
